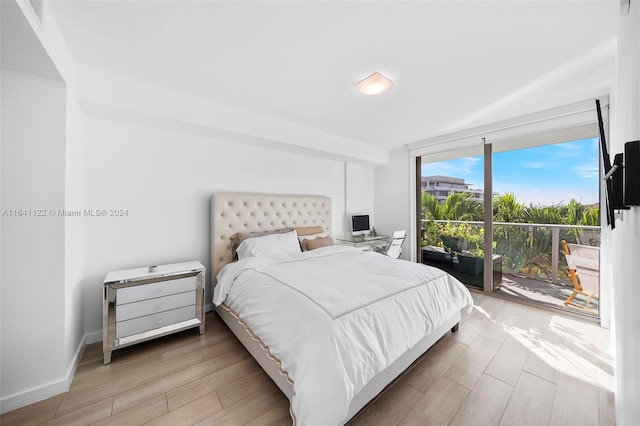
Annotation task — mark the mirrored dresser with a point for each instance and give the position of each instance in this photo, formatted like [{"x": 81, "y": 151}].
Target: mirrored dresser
[{"x": 144, "y": 303}]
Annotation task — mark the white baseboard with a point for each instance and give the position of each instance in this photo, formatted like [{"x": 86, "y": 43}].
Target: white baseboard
[
  {"x": 48, "y": 390},
  {"x": 94, "y": 337}
]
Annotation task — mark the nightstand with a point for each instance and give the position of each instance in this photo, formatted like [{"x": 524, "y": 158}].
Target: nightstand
[{"x": 139, "y": 304}]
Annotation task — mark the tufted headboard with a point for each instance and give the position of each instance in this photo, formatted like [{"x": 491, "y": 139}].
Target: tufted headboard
[{"x": 233, "y": 212}]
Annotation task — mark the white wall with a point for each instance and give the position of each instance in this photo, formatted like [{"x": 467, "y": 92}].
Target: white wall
[
  {"x": 33, "y": 247},
  {"x": 74, "y": 230},
  {"x": 165, "y": 178},
  {"x": 392, "y": 198},
  {"x": 359, "y": 191},
  {"x": 625, "y": 238},
  {"x": 50, "y": 141}
]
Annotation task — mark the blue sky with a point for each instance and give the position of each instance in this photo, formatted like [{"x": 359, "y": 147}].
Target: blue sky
[{"x": 549, "y": 174}]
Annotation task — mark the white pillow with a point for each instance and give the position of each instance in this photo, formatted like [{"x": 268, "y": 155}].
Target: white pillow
[{"x": 273, "y": 245}]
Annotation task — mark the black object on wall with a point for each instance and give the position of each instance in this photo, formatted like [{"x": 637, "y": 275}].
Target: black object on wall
[
  {"x": 632, "y": 173},
  {"x": 615, "y": 185}
]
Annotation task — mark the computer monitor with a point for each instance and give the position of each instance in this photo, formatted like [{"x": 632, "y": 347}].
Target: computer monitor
[{"x": 360, "y": 224}]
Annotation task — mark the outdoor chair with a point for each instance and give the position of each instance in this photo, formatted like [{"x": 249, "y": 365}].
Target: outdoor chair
[{"x": 584, "y": 270}]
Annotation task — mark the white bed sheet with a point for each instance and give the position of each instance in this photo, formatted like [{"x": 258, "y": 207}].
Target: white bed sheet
[{"x": 335, "y": 317}]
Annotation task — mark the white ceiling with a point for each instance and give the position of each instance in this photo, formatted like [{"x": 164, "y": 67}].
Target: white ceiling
[
  {"x": 20, "y": 49},
  {"x": 454, "y": 64}
]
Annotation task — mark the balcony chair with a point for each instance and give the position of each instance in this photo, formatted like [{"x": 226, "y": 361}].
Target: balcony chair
[
  {"x": 584, "y": 270},
  {"x": 394, "y": 247}
]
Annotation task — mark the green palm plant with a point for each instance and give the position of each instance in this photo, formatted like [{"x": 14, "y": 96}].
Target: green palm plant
[
  {"x": 431, "y": 210},
  {"x": 575, "y": 210},
  {"x": 590, "y": 217},
  {"x": 507, "y": 209},
  {"x": 523, "y": 249},
  {"x": 509, "y": 240},
  {"x": 543, "y": 214},
  {"x": 460, "y": 206}
]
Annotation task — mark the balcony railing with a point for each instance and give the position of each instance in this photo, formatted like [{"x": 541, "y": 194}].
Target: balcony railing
[{"x": 587, "y": 235}]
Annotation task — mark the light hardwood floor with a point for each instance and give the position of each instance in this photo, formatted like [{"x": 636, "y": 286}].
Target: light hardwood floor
[{"x": 508, "y": 364}]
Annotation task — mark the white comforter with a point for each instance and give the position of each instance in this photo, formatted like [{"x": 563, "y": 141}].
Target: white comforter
[{"x": 335, "y": 317}]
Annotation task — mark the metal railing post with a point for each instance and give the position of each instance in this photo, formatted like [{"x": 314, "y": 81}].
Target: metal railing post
[{"x": 555, "y": 248}]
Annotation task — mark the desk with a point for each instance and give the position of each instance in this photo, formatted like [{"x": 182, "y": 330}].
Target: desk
[{"x": 364, "y": 241}]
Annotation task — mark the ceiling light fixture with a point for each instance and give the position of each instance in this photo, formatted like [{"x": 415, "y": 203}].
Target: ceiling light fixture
[{"x": 373, "y": 85}]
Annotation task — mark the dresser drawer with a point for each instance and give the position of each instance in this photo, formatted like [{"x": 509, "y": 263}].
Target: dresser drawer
[
  {"x": 150, "y": 291},
  {"x": 153, "y": 306},
  {"x": 150, "y": 322}
]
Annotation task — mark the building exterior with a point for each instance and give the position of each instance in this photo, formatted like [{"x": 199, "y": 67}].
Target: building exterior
[{"x": 441, "y": 186}]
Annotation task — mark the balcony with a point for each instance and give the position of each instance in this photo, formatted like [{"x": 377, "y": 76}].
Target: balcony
[{"x": 529, "y": 262}]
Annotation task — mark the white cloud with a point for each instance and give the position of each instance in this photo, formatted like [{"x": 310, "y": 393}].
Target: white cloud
[
  {"x": 587, "y": 171},
  {"x": 467, "y": 168}
]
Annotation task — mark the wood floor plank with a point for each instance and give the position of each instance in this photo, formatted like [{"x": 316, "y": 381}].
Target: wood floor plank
[
  {"x": 192, "y": 412},
  {"x": 143, "y": 374},
  {"x": 115, "y": 371},
  {"x": 485, "y": 404},
  {"x": 471, "y": 364},
  {"x": 154, "y": 349},
  {"x": 209, "y": 383},
  {"x": 438, "y": 405},
  {"x": 606, "y": 375},
  {"x": 509, "y": 361},
  {"x": 230, "y": 344},
  {"x": 214, "y": 337},
  {"x": 530, "y": 403},
  {"x": 545, "y": 345},
  {"x": 472, "y": 328},
  {"x": 425, "y": 373},
  {"x": 86, "y": 415},
  {"x": 535, "y": 323},
  {"x": 92, "y": 353},
  {"x": 576, "y": 402},
  {"x": 32, "y": 414},
  {"x": 176, "y": 379},
  {"x": 277, "y": 416},
  {"x": 246, "y": 385},
  {"x": 498, "y": 330},
  {"x": 544, "y": 362},
  {"x": 390, "y": 408},
  {"x": 138, "y": 414},
  {"x": 242, "y": 412},
  {"x": 606, "y": 408}
]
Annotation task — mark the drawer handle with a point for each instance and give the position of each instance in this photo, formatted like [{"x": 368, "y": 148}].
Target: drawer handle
[
  {"x": 158, "y": 290},
  {"x": 159, "y": 322},
  {"x": 159, "y": 305}
]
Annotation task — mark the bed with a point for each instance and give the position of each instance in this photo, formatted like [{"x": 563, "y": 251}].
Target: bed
[{"x": 333, "y": 326}]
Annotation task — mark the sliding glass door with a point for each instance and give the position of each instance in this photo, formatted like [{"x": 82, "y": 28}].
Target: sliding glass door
[
  {"x": 548, "y": 195},
  {"x": 451, "y": 215},
  {"x": 542, "y": 205}
]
